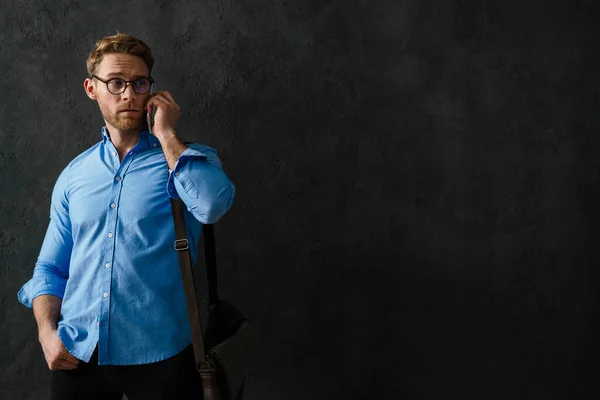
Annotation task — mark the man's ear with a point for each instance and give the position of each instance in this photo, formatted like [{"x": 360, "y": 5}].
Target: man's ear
[{"x": 90, "y": 89}]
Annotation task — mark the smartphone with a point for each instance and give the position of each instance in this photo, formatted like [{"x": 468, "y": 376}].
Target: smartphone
[{"x": 149, "y": 115}]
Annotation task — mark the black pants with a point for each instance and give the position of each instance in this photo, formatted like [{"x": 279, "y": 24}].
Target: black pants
[{"x": 175, "y": 378}]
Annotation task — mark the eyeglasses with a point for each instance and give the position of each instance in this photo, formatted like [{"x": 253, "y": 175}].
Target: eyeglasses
[{"x": 119, "y": 85}]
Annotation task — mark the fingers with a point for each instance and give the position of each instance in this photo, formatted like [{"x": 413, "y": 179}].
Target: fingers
[
  {"x": 158, "y": 100},
  {"x": 165, "y": 120},
  {"x": 154, "y": 102},
  {"x": 57, "y": 356},
  {"x": 68, "y": 357},
  {"x": 164, "y": 96},
  {"x": 162, "y": 103},
  {"x": 62, "y": 364}
]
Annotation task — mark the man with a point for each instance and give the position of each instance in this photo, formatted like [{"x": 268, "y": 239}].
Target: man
[{"x": 106, "y": 291}]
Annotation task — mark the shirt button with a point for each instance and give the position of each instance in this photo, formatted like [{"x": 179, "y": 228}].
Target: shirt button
[
  {"x": 110, "y": 234},
  {"x": 105, "y": 295},
  {"x": 113, "y": 205},
  {"x": 114, "y": 153},
  {"x": 107, "y": 265},
  {"x": 177, "y": 173},
  {"x": 154, "y": 145},
  {"x": 118, "y": 178},
  {"x": 97, "y": 323}
]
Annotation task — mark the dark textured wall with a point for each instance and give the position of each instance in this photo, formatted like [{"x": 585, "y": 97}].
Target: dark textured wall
[{"x": 417, "y": 183}]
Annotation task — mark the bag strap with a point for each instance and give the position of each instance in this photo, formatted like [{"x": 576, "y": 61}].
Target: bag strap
[
  {"x": 210, "y": 255},
  {"x": 182, "y": 246}
]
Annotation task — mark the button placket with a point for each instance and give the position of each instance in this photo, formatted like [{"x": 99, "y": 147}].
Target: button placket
[
  {"x": 103, "y": 322},
  {"x": 109, "y": 248}
]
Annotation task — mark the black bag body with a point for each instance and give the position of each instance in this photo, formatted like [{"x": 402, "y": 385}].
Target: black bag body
[
  {"x": 222, "y": 352},
  {"x": 229, "y": 340}
]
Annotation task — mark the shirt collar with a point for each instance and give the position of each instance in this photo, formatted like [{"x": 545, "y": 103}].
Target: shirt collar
[
  {"x": 146, "y": 139},
  {"x": 104, "y": 134},
  {"x": 151, "y": 140}
]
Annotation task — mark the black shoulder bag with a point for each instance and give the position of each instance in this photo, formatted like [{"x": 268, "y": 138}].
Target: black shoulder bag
[{"x": 223, "y": 352}]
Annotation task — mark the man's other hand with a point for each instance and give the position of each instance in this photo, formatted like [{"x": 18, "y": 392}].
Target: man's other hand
[{"x": 57, "y": 356}]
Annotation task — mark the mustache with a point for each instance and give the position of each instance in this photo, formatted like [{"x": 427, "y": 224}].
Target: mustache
[{"x": 128, "y": 108}]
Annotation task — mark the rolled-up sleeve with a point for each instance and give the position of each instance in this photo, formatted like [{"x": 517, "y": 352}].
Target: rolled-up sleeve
[
  {"x": 199, "y": 180},
  {"x": 51, "y": 270}
]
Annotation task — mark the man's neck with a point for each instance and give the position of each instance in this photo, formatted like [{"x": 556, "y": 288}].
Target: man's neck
[{"x": 123, "y": 140}]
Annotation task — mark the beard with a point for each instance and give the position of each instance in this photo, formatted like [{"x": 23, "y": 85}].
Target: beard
[{"x": 122, "y": 121}]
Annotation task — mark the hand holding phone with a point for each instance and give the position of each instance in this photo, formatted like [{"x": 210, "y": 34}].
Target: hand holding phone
[{"x": 162, "y": 111}]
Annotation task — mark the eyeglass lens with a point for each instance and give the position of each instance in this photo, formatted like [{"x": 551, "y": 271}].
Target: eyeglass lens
[{"x": 117, "y": 85}]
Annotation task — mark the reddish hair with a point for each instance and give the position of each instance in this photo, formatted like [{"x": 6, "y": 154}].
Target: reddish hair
[{"x": 118, "y": 43}]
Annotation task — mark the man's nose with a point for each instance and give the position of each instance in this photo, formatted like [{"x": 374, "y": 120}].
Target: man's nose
[{"x": 129, "y": 93}]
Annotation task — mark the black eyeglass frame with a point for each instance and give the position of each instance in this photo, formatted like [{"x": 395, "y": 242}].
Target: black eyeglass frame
[{"x": 126, "y": 83}]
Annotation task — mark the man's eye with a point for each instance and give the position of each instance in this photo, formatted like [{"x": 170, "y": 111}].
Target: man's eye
[{"x": 117, "y": 82}]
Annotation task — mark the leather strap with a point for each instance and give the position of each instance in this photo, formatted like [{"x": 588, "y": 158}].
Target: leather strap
[
  {"x": 182, "y": 246},
  {"x": 211, "y": 263}
]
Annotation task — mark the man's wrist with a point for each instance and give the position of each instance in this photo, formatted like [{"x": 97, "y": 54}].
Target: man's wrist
[
  {"x": 166, "y": 135},
  {"x": 45, "y": 329},
  {"x": 172, "y": 147}
]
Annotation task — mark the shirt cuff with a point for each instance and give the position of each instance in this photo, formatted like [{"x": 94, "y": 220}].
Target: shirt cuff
[
  {"x": 38, "y": 286},
  {"x": 175, "y": 173}
]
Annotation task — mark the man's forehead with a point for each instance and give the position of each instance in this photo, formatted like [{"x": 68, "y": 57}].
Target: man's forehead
[{"x": 116, "y": 64}]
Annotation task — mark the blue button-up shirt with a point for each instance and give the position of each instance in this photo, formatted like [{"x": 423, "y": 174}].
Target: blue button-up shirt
[{"x": 108, "y": 250}]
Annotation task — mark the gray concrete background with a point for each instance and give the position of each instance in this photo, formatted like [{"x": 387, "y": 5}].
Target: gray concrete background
[{"x": 416, "y": 181}]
